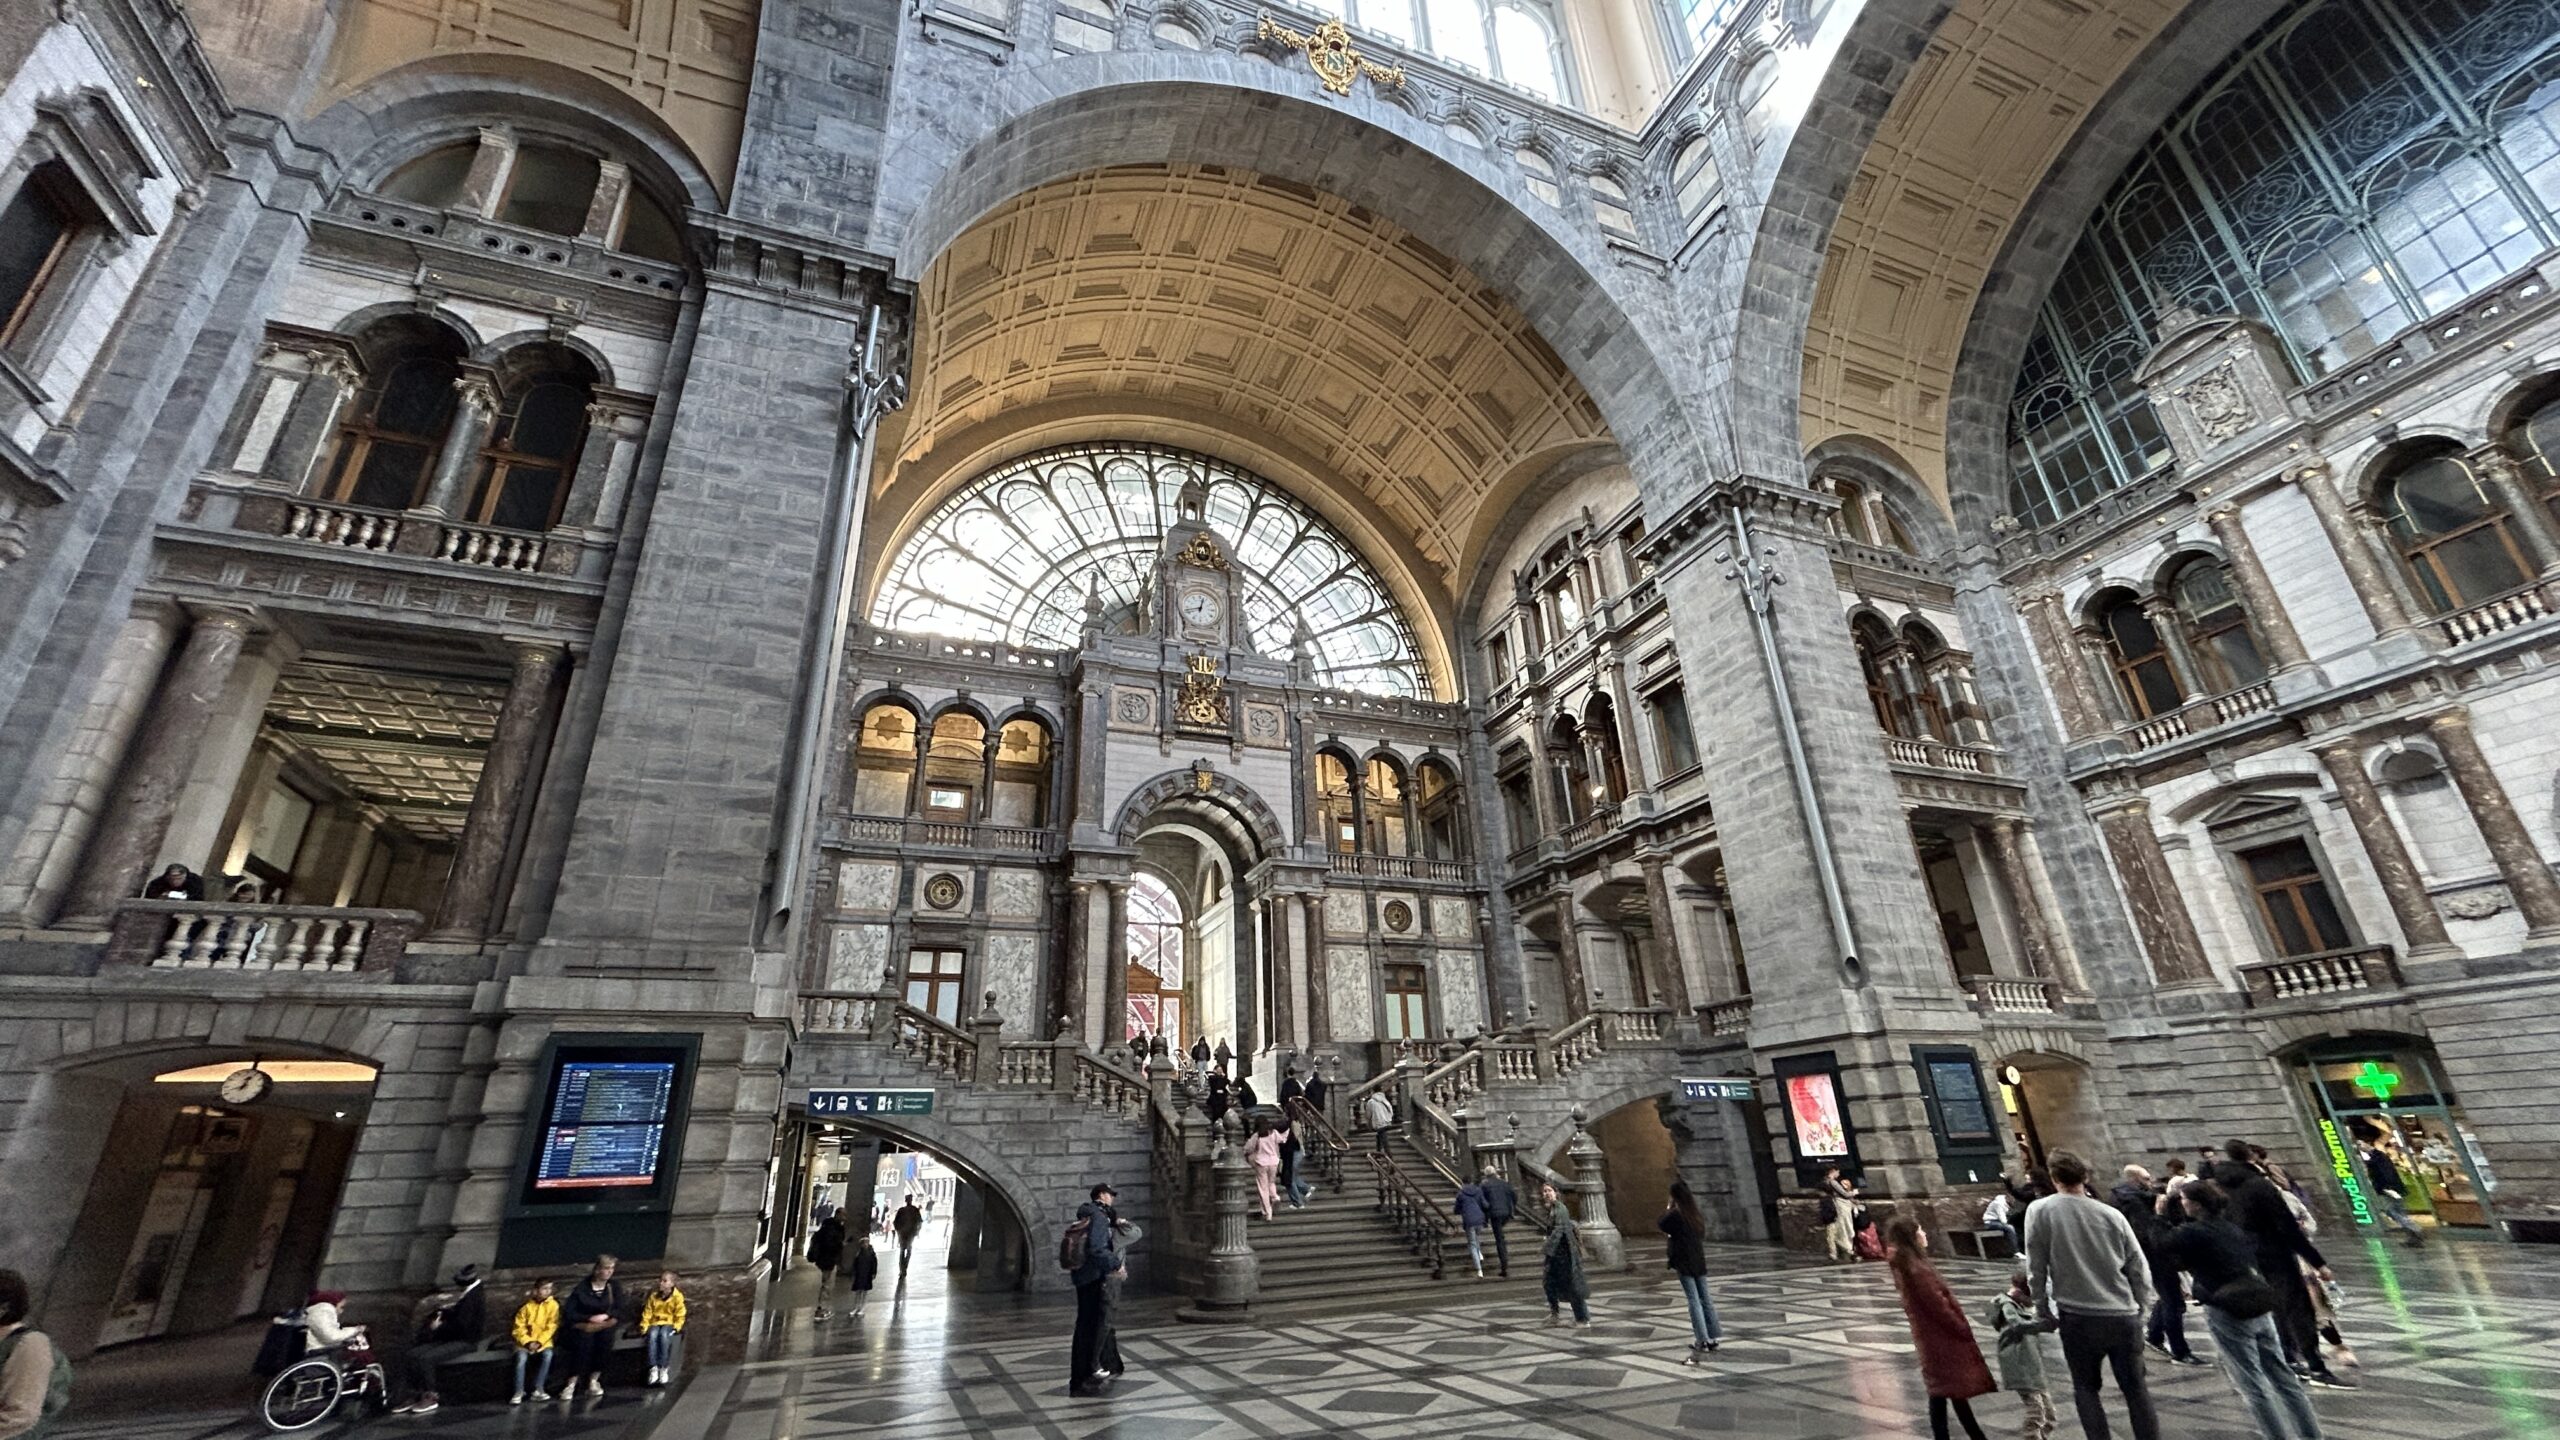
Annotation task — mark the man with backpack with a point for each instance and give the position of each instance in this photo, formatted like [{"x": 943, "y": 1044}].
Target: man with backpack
[
  {"x": 1089, "y": 1252},
  {"x": 35, "y": 1378}
]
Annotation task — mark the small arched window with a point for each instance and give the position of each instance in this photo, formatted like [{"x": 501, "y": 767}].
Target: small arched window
[
  {"x": 2217, "y": 626},
  {"x": 1464, "y": 133},
  {"x": 1610, "y": 206},
  {"x": 434, "y": 178},
  {"x": 1436, "y": 801},
  {"x": 955, "y": 760},
  {"x": 1757, "y": 99},
  {"x": 1695, "y": 181},
  {"x": 2139, "y": 657},
  {"x": 1876, "y": 654},
  {"x": 533, "y": 443},
  {"x": 1525, "y": 47},
  {"x": 2452, "y": 534},
  {"x": 1385, "y": 797},
  {"x": 1539, "y": 174},
  {"x": 1021, "y": 795},
  {"x": 1925, "y": 668},
  {"x": 884, "y": 759},
  {"x": 2536, "y": 441},
  {"x": 549, "y": 189},
  {"x": 392, "y": 432},
  {"x": 1335, "y": 808}
]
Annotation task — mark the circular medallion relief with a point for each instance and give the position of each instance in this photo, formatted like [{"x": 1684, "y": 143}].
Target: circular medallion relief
[
  {"x": 1398, "y": 915},
  {"x": 942, "y": 891}
]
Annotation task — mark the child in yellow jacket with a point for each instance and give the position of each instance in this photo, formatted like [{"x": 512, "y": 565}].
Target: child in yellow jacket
[
  {"x": 537, "y": 1321},
  {"x": 662, "y": 1320}
]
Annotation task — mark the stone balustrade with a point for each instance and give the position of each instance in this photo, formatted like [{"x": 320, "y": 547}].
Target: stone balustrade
[
  {"x": 2494, "y": 617},
  {"x": 902, "y": 831},
  {"x": 350, "y": 526},
  {"x": 1998, "y": 995},
  {"x": 836, "y": 1014},
  {"x": 295, "y": 939},
  {"x": 1939, "y": 755},
  {"x": 1729, "y": 1017},
  {"x": 1404, "y": 867},
  {"x": 2369, "y": 968},
  {"x": 489, "y": 548}
]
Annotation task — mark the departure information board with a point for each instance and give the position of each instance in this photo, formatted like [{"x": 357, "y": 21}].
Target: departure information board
[{"x": 605, "y": 1124}]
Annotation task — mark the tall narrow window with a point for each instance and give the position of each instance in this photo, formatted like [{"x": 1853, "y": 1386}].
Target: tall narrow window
[
  {"x": 1408, "y": 1015},
  {"x": 1610, "y": 206},
  {"x": 1539, "y": 174},
  {"x": 2140, "y": 659},
  {"x": 1385, "y": 797},
  {"x": 2217, "y": 627},
  {"x": 1436, "y": 799},
  {"x": 933, "y": 983},
  {"x": 1155, "y": 939},
  {"x": 2452, "y": 534},
  {"x": 2537, "y": 442},
  {"x": 398, "y": 421},
  {"x": 1670, "y": 707},
  {"x": 1334, "y": 806},
  {"x": 1519, "y": 805},
  {"x": 532, "y": 447},
  {"x": 1695, "y": 181},
  {"x": 2293, "y": 899},
  {"x": 1876, "y": 652},
  {"x": 38, "y": 231},
  {"x": 1525, "y": 46}
]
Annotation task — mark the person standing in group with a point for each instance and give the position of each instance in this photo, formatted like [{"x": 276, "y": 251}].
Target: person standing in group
[
  {"x": 1840, "y": 1227},
  {"x": 1093, "y": 1358},
  {"x": 536, "y": 1325},
  {"x": 661, "y": 1321},
  {"x": 2258, "y": 1208},
  {"x": 1685, "y": 1228},
  {"x": 1215, "y": 1100},
  {"x": 2091, "y": 1280},
  {"x": 452, "y": 1329},
  {"x": 35, "y": 1381},
  {"x": 826, "y": 1251},
  {"x": 1292, "y": 1155},
  {"x": 1291, "y": 1087},
  {"x": 2022, "y": 1357},
  {"x": 1565, "y": 1280},
  {"x": 2239, "y": 1305},
  {"x": 907, "y": 1223},
  {"x": 1318, "y": 1090},
  {"x": 1379, "y": 1114},
  {"x": 861, "y": 1270},
  {"x": 2138, "y": 1201},
  {"x": 589, "y": 1317},
  {"x": 2383, "y": 1185},
  {"x": 1501, "y": 1202},
  {"x": 1200, "y": 1058},
  {"x": 1264, "y": 1151},
  {"x": 1472, "y": 1217},
  {"x": 1950, "y": 1360}
]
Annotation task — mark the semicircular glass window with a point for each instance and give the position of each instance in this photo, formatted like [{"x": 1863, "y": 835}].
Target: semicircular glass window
[{"x": 1012, "y": 556}]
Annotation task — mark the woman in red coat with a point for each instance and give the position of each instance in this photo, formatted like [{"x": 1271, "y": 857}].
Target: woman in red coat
[{"x": 1950, "y": 1361}]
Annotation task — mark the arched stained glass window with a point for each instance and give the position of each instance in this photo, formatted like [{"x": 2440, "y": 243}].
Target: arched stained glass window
[
  {"x": 1012, "y": 557},
  {"x": 2357, "y": 168}
]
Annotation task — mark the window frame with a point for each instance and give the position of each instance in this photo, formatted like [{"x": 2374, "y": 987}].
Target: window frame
[
  {"x": 936, "y": 979},
  {"x": 1402, "y": 1006},
  {"x": 2292, "y": 892},
  {"x": 2128, "y": 669},
  {"x": 2421, "y": 552}
]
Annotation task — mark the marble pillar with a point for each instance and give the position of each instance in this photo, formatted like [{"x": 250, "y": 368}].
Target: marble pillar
[
  {"x": 1075, "y": 989},
  {"x": 1576, "y": 982},
  {"x": 473, "y": 891},
  {"x": 2421, "y": 925},
  {"x": 2528, "y": 874},
  {"x": 2073, "y": 695},
  {"x": 162, "y": 760},
  {"x": 2526, "y": 515},
  {"x": 1115, "y": 965},
  {"x": 2171, "y": 626},
  {"x": 2159, "y": 912},
  {"x": 49, "y": 849},
  {"x": 1672, "y": 972},
  {"x": 2267, "y": 618},
  {"x": 2350, "y": 537},
  {"x": 475, "y": 410},
  {"x": 1319, "y": 999},
  {"x": 2009, "y": 857}
]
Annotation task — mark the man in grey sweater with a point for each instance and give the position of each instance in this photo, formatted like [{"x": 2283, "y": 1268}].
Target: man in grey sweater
[{"x": 2090, "y": 1280}]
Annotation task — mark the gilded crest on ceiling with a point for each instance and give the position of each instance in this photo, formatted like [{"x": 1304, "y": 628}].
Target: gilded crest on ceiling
[
  {"x": 1204, "y": 552},
  {"x": 1330, "y": 55},
  {"x": 1202, "y": 703}
]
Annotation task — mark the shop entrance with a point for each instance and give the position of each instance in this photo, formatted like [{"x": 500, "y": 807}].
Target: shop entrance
[
  {"x": 2392, "y": 1094},
  {"x": 2048, "y": 1104}
]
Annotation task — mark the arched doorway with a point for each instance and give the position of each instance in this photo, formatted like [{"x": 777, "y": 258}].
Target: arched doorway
[
  {"x": 2050, "y": 1105},
  {"x": 973, "y": 1237}
]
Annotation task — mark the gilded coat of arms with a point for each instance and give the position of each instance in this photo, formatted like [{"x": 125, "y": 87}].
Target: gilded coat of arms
[
  {"x": 2220, "y": 406},
  {"x": 1330, "y": 55},
  {"x": 1202, "y": 703}
]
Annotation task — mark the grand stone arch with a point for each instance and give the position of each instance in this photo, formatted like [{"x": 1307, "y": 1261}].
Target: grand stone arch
[{"x": 1189, "y": 788}]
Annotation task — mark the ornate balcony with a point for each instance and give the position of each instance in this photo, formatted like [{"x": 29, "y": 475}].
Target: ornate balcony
[
  {"x": 2199, "y": 716},
  {"x": 2494, "y": 617},
  {"x": 1728, "y": 1017},
  {"x": 846, "y": 831},
  {"x": 1938, "y": 755},
  {"x": 1998, "y": 995},
  {"x": 2365, "y": 970},
  {"x": 1404, "y": 867},
  {"x": 273, "y": 939}
]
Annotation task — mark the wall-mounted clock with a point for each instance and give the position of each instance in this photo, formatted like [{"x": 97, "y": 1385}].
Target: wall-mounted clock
[{"x": 1201, "y": 608}]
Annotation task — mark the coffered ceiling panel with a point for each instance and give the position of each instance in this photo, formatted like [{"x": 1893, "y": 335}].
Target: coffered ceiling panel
[
  {"x": 2002, "y": 88},
  {"x": 1284, "y": 309}
]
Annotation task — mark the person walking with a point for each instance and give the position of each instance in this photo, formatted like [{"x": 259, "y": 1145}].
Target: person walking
[
  {"x": 1840, "y": 1224},
  {"x": 661, "y": 1321},
  {"x": 2022, "y": 1357},
  {"x": 1565, "y": 1280},
  {"x": 826, "y": 1251},
  {"x": 1291, "y": 1087},
  {"x": 1090, "y": 1366},
  {"x": 2239, "y": 1304},
  {"x": 2138, "y": 1201},
  {"x": 2383, "y": 1184},
  {"x": 1379, "y": 1114},
  {"x": 1472, "y": 1218},
  {"x": 588, "y": 1319},
  {"x": 1215, "y": 1099},
  {"x": 861, "y": 1270},
  {"x": 1950, "y": 1360},
  {"x": 451, "y": 1330},
  {"x": 536, "y": 1325},
  {"x": 1501, "y": 1203},
  {"x": 2092, "y": 1282},
  {"x": 1292, "y": 1154},
  {"x": 1264, "y": 1151},
  {"x": 1246, "y": 1100},
  {"x": 1199, "y": 1053},
  {"x": 2281, "y": 1250},
  {"x": 1318, "y": 1090},
  {"x": 1684, "y": 1229},
  {"x": 907, "y": 1224},
  {"x": 35, "y": 1381}
]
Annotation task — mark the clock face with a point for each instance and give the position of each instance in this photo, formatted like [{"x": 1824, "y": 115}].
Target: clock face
[
  {"x": 244, "y": 1085},
  {"x": 1199, "y": 607}
]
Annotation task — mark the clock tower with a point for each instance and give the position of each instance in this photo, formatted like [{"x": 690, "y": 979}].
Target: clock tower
[{"x": 1197, "y": 591}]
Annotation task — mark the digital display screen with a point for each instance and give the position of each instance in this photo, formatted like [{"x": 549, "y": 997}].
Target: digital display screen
[
  {"x": 1813, "y": 1108},
  {"x": 605, "y": 1125},
  {"x": 1961, "y": 1106}
]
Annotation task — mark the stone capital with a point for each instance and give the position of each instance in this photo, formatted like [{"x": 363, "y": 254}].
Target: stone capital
[
  {"x": 2452, "y": 717},
  {"x": 478, "y": 389}
]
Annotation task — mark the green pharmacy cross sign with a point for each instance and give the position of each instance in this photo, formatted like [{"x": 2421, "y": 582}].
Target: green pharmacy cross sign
[{"x": 2376, "y": 1081}]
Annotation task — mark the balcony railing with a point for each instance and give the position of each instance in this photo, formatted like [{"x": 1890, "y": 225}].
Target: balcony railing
[
  {"x": 941, "y": 834},
  {"x": 2204, "y": 714},
  {"x": 1590, "y": 827},
  {"x": 1938, "y": 755},
  {"x": 1993, "y": 995},
  {"x": 382, "y": 532},
  {"x": 1403, "y": 867},
  {"x": 296, "y": 939},
  {"x": 2314, "y": 977},
  {"x": 348, "y": 525},
  {"x": 1729, "y": 1017},
  {"x": 2504, "y": 613}
]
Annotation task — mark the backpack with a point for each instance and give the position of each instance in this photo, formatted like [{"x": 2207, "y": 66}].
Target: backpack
[
  {"x": 57, "y": 1390},
  {"x": 1074, "y": 1242}
]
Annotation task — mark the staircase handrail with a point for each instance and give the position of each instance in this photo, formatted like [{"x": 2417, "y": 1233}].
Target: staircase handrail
[
  {"x": 1436, "y": 1140},
  {"x": 933, "y": 1043},
  {"x": 1461, "y": 1077},
  {"x": 1426, "y": 1224},
  {"x": 1321, "y": 1145},
  {"x": 1650, "y": 1025},
  {"x": 1352, "y": 1097},
  {"x": 1102, "y": 1082},
  {"x": 1578, "y": 1042}
]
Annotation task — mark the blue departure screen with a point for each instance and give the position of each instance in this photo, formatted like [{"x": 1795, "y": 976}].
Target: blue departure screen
[{"x": 606, "y": 1123}]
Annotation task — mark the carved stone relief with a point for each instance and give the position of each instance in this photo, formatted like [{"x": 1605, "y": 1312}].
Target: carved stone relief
[
  {"x": 857, "y": 958},
  {"x": 1349, "y": 992},
  {"x": 1346, "y": 912},
  {"x": 1011, "y": 970},
  {"x": 867, "y": 885},
  {"x": 1461, "y": 992},
  {"x": 1452, "y": 918},
  {"x": 1015, "y": 894}
]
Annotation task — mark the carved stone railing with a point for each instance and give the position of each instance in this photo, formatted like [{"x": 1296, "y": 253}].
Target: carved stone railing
[
  {"x": 478, "y": 235},
  {"x": 2311, "y": 977},
  {"x": 930, "y": 1043},
  {"x": 1623, "y": 1028},
  {"x": 1403, "y": 867},
  {"x": 2160, "y": 730},
  {"x": 1422, "y": 1221},
  {"x": 2245, "y": 701},
  {"x": 1100, "y": 1082},
  {"x": 1938, "y": 755},
  {"x": 1031, "y": 1063},
  {"x": 489, "y": 548},
  {"x": 836, "y": 1013},
  {"x": 1510, "y": 1063},
  {"x": 994, "y": 653},
  {"x": 1321, "y": 1144},
  {"x": 1590, "y": 828},
  {"x": 1576, "y": 1045},
  {"x": 350, "y": 526},
  {"x": 899, "y": 830},
  {"x": 277, "y": 939},
  {"x": 1456, "y": 1082},
  {"x": 1436, "y": 1135},
  {"x": 1995, "y": 995},
  {"x": 1728, "y": 1017},
  {"x": 2491, "y": 618}
]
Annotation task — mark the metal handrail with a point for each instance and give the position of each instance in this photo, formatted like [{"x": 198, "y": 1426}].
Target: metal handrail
[
  {"x": 1319, "y": 1141},
  {"x": 1427, "y": 1229}
]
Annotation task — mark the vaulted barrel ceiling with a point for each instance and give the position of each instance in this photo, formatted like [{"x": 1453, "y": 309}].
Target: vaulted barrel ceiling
[{"x": 1290, "y": 316}]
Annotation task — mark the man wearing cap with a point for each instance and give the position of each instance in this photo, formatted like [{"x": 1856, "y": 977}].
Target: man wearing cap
[
  {"x": 453, "y": 1326},
  {"x": 1094, "y": 1360}
]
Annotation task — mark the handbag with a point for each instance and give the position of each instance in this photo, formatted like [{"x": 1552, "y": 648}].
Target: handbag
[{"x": 2245, "y": 1296}]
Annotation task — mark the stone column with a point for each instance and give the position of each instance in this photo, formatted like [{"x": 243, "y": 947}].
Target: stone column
[
  {"x": 491, "y": 164},
  {"x": 1275, "y": 926},
  {"x": 1074, "y": 990},
  {"x": 605, "y": 206},
  {"x": 1115, "y": 965},
  {"x": 1595, "y": 764},
  {"x": 48, "y": 852},
  {"x": 471, "y": 893},
  {"x": 1577, "y": 984},
  {"x": 2267, "y": 617},
  {"x": 2159, "y": 912},
  {"x": 2528, "y": 875},
  {"x": 1671, "y": 970},
  {"x": 2420, "y": 923},
  {"x": 2009, "y": 857},
  {"x": 2171, "y": 626},
  {"x": 1319, "y": 999},
  {"x": 1603, "y": 1248},
  {"x": 596, "y": 486},
  {"x": 2525, "y": 510},
  {"x": 162, "y": 759},
  {"x": 2077, "y": 699},
  {"x": 2351, "y": 537},
  {"x": 475, "y": 411},
  {"x": 987, "y": 772},
  {"x": 2089, "y": 646},
  {"x": 1232, "y": 1275}
]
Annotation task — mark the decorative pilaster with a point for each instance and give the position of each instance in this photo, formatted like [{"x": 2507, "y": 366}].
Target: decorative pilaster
[
  {"x": 2525, "y": 511},
  {"x": 2528, "y": 875},
  {"x": 2420, "y": 923},
  {"x": 1672, "y": 970},
  {"x": 1115, "y": 966},
  {"x": 491, "y": 164},
  {"x": 471, "y": 892},
  {"x": 2159, "y": 913},
  {"x": 2351, "y": 537},
  {"x": 605, "y": 206},
  {"x": 1319, "y": 997},
  {"x": 2171, "y": 627},
  {"x": 2009, "y": 857},
  {"x": 1075, "y": 992},
  {"x": 2082, "y": 715},
  {"x": 2267, "y": 618},
  {"x": 161, "y": 762},
  {"x": 1577, "y": 981}
]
